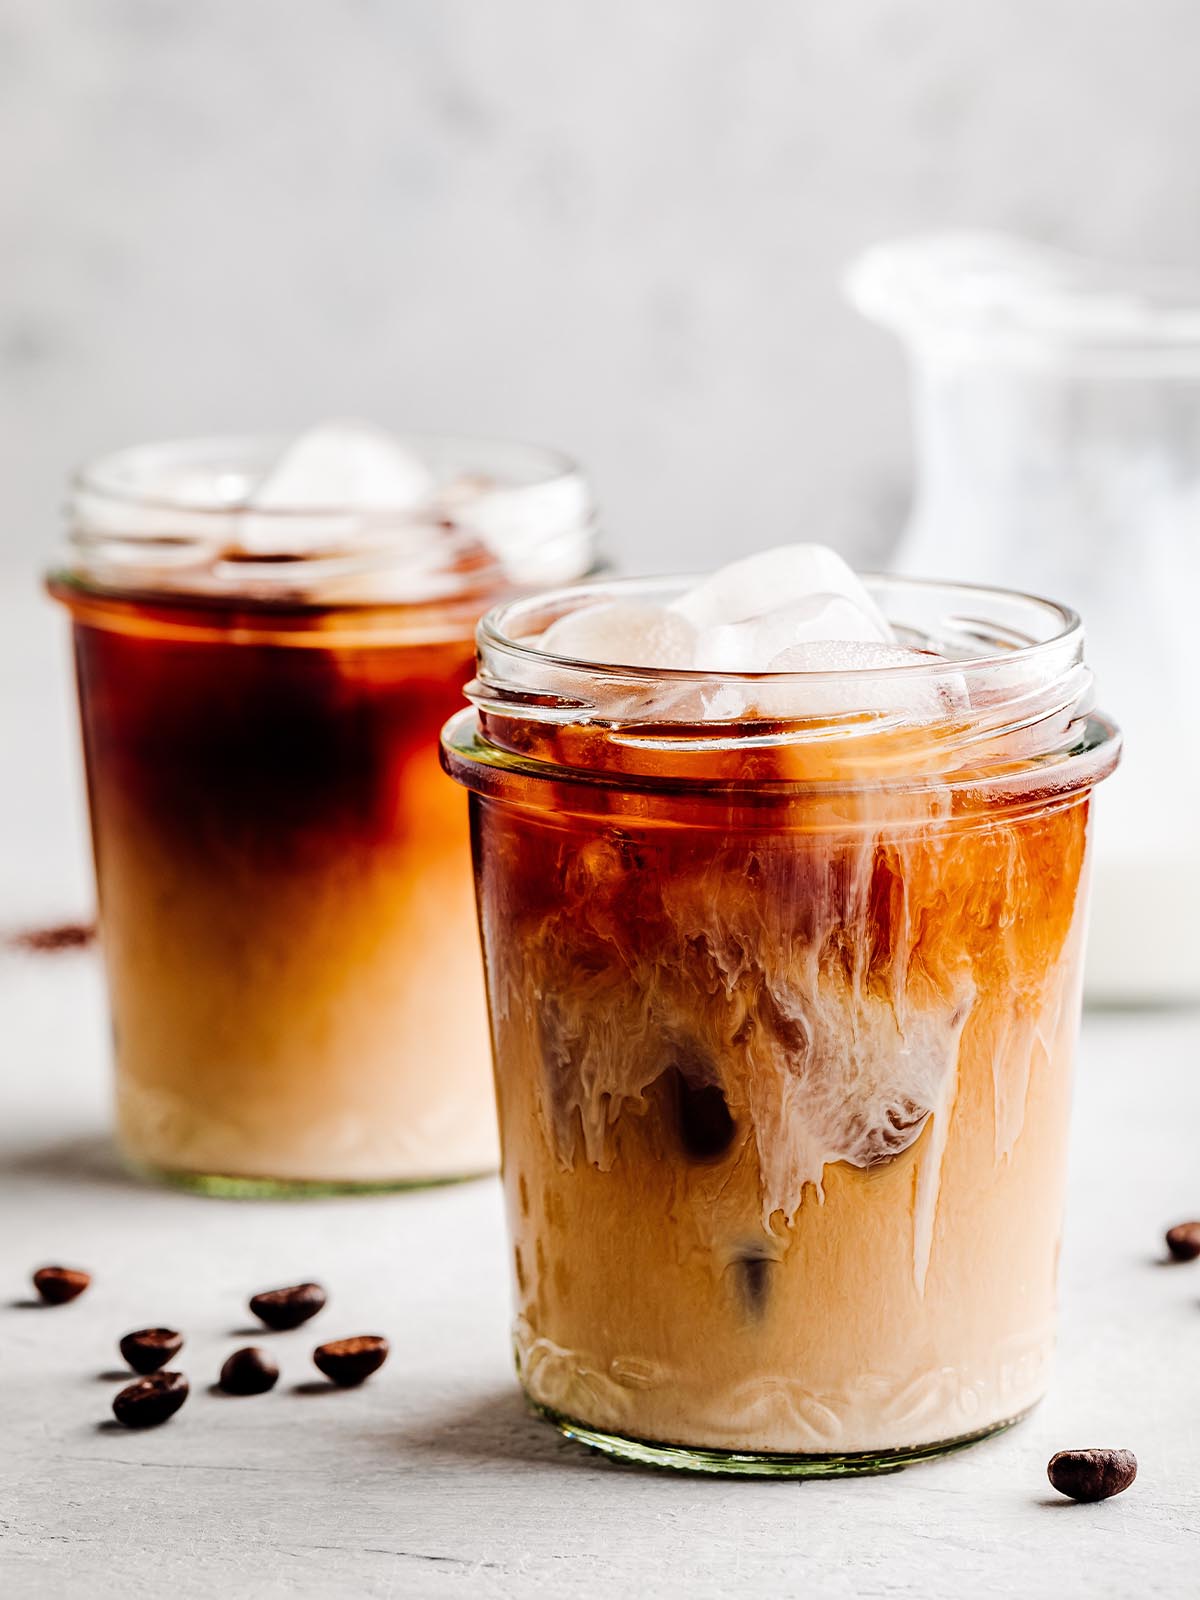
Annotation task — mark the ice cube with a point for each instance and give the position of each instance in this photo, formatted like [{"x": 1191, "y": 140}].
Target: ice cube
[
  {"x": 863, "y": 685},
  {"x": 334, "y": 468},
  {"x": 823, "y": 652},
  {"x": 833, "y": 653},
  {"x": 339, "y": 464},
  {"x": 622, "y": 633},
  {"x": 722, "y": 704},
  {"x": 772, "y": 581},
  {"x": 752, "y": 646},
  {"x": 540, "y": 532}
]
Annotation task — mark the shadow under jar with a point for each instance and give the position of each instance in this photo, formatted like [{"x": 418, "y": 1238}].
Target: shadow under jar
[
  {"x": 283, "y": 872},
  {"x": 784, "y": 979}
]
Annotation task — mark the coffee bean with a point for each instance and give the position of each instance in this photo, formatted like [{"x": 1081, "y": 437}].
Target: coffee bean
[
  {"x": 1092, "y": 1474},
  {"x": 1183, "y": 1241},
  {"x": 288, "y": 1308},
  {"x": 57, "y": 1285},
  {"x": 149, "y": 1401},
  {"x": 150, "y": 1348},
  {"x": 249, "y": 1371},
  {"x": 349, "y": 1362}
]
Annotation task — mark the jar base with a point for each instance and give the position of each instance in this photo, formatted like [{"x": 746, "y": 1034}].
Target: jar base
[
  {"x": 227, "y": 1186},
  {"x": 763, "y": 1464}
]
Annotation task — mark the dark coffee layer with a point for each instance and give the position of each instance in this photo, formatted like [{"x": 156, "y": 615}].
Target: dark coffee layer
[{"x": 275, "y": 747}]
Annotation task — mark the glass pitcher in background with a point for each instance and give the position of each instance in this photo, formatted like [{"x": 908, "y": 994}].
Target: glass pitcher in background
[{"x": 1057, "y": 425}]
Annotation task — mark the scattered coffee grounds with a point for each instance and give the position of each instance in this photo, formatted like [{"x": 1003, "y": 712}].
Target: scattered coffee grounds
[
  {"x": 349, "y": 1362},
  {"x": 249, "y": 1371},
  {"x": 57, "y": 1285},
  {"x": 1092, "y": 1474},
  {"x": 149, "y": 1401},
  {"x": 1183, "y": 1241},
  {"x": 50, "y": 941},
  {"x": 150, "y": 1348},
  {"x": 288, "y": 1308}
]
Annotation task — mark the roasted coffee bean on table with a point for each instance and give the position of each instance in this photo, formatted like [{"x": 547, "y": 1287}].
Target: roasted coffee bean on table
[
  {"x": 249, "y": 1371},
  {"x": 57, "y": 1285},
  {"x": 1183, "y": 1241},
  {"x": 288, "y": 1308},
  {"x": 152, "y": 1400},
  {"x": 148, "y": 1349},
  {"x": 1092, "y": 1474},
  {"x": 349, "y": 1362}
]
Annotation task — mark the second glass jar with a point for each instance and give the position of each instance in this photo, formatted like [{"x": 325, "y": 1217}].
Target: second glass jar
[{"x": 283, "y": 872}]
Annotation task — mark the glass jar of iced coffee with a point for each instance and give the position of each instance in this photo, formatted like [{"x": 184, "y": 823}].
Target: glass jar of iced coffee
[
  {"x": 268, "y": 639},
  {"x": 781, "y": 880}
]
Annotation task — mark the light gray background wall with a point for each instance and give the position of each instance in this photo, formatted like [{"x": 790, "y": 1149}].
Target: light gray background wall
[{"x": 611, "y": 224}]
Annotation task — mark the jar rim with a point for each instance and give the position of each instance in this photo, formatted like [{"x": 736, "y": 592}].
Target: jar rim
[
  {"x": 489, "y": 769},
  {"x": 107, "y": 475},
  {"x": 1006, "y": 705},
  {"x": 177, "y": 518},
  {"x": 493, "y": 633}
]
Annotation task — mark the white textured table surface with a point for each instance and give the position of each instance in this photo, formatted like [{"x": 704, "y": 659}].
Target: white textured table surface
[{"x": 432, "y": 1481}]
